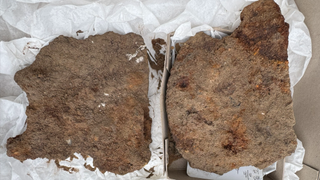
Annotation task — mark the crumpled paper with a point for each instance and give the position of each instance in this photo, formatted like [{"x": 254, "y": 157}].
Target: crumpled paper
[
  {"x": 243, "y": 173},
  {"x": 294, "y": 163},
  {"x": 28, "y": 25}
]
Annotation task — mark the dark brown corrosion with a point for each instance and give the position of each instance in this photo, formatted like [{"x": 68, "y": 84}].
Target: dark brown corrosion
[{"x": 228, "y": 100}]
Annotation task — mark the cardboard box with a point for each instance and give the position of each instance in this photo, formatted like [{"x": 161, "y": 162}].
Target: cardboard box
[
  {"x": 306, "y": 99},
  {"x": 306, "y": 106}
]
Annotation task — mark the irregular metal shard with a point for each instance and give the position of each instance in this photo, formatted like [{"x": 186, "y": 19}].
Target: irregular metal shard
[
  {"x": 228, "y": 100},
  {"x": 91, "y": 97}
]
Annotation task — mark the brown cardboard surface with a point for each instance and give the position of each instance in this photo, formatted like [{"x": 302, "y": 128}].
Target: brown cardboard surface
[
  {"x": 306, "y": 99},
  {"x": 180, "y": 164},
  {"x": 180, "y": 175},
  {"x": 277, "y": 175},
  {"x": 306, "y": 104},
  {"x": 177, "y": 170},
  {"x": 267, "y": 178},
  {"x": 308, "y": 173}
]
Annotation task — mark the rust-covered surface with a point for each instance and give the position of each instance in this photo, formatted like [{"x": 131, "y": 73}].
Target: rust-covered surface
[
  {"x": 86, "y": 96},
  {"x": 228, "y": 101}
]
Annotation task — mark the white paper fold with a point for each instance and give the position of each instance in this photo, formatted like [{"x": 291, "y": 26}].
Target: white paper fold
[
  {"x": 43, "y": 20},
  {"x": 294, "y": 163}
]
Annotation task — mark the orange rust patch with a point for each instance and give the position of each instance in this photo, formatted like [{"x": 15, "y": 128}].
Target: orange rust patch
[
  {"x": 96, "y": 138},
  {"x": 237, "y": 139},
  {"x": 233, "y": 165},
  {"x": 285, "y": 87},
  {"x": 216, "y": 66}
]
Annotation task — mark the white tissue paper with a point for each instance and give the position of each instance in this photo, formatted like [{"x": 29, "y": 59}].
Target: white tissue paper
[{"x": 28, "y": 25}]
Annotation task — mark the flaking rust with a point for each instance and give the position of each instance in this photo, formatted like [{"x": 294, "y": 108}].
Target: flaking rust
[
  {"x": 228, "y": 100},
  {"x": 87, "y": 96}
]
